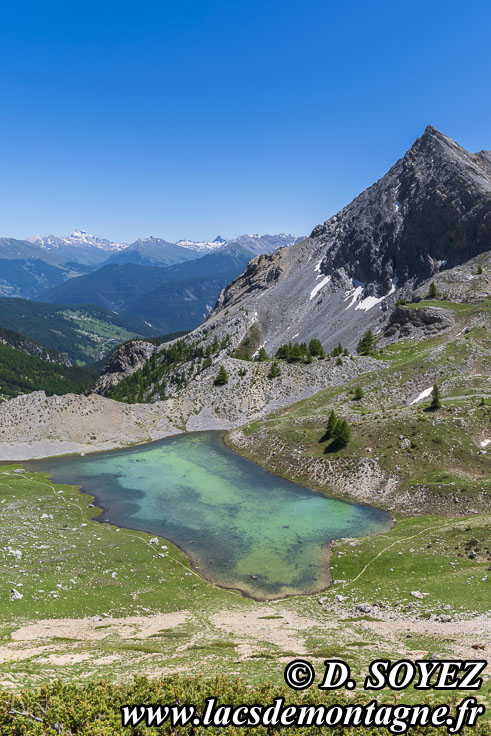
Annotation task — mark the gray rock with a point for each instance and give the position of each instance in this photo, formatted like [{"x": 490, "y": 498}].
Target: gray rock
[
  {"x": 363, "y": 608},
  {"x": 405, "y": 322}
]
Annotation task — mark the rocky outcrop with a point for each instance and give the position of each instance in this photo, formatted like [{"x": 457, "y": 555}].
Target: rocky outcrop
[
  {"x": 431, "y": 210},
  {"x": 409, "y": 322},
  {"x": 469, "y": 282},
  {"x": 123, "y": 361}
]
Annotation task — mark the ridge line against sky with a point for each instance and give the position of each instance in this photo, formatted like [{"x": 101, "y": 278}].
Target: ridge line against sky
[{"x": 189, "y": 119}]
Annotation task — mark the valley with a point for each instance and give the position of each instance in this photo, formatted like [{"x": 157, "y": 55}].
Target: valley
[{"x": 354, "y": 363}]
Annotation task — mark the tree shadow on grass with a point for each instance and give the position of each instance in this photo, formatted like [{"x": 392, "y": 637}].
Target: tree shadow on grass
[{"x": 334, "y": 446}]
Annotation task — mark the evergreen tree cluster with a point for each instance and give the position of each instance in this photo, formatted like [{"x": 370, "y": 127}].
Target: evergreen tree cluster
[
  {"x": 338, "y": 431},
  {"x": 301, "y": 352},
  {"x": 339, "y": 350},
  {"x": 168, "y": 366},
  {"x": 367, "y": 344}
]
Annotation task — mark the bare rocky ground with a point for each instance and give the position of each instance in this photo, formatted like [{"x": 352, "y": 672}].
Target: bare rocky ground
[
  {"x": 260, "y": 637},
  {"x": 34, "y": 425}
]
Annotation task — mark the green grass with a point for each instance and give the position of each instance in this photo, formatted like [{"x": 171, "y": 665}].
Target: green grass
[
  {"x": 427, "y": 554},
  {"x": 65, "y": 574},
  {"x": 458, "y": 307},
  {"x": 96, "y": 708},
  {"x": 71, "y": 558},
  {"x": 441, "y": 460}
]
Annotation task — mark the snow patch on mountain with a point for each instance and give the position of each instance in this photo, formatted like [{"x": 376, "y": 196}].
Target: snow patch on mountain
[
  {"x": 319, "y": 286},
  {"x": 367, "y": 302}
]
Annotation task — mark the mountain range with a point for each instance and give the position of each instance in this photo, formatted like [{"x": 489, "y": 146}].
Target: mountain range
[
  {"x": 427, "y": 219},
  {"x": 178, "y": 297},
  {"x": 110, "y": 291}
]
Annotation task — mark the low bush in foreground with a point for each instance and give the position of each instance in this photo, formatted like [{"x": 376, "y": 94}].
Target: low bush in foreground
[{"x": 94, "y": 709}]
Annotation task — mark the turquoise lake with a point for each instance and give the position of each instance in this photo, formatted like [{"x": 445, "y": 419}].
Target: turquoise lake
[{"x": 241, "y": 526}]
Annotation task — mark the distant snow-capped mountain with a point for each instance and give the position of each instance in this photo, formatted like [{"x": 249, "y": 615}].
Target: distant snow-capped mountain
[
  {"x": 78, "y": 238},
  {"x": 254, "y": 243},
  {"x": 204, "y": 246},
  {"x": 83, "y": 248}
]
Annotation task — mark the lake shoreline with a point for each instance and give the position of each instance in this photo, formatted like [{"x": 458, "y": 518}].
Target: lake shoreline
[{"x": 195, "y": 559}]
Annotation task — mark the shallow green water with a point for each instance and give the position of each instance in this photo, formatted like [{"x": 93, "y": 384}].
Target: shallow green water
[{"x": 235, "y": 519}]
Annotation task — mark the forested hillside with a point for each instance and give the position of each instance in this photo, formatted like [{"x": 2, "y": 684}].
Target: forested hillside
[
  {"x": 84, "y": 333},
  {"x": 21, "y": 373},
  {"x": 178, "y": 297}
]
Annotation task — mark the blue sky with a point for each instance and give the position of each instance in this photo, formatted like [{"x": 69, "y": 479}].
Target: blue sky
[{"x": 189, "y": 119}]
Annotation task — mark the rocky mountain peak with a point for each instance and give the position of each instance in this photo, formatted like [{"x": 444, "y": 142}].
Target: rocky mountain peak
[{"x": 430, "y": 212}]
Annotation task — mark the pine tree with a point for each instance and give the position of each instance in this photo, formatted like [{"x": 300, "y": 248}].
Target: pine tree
[
  {"x": 222, "y": 377},
  {"x": 479, "y": 270},
  {"x": 339, "y": 360},
  {"x": 359, "y": 394},
  {"x": 433, "y": 290},
  {"x": 367, "y": 344},
  {"x": 331, "y": 425},
  {"x": 275, "y": 370},
  {"x": 435, "y": 400},
  {"x": 262, "y": 355},
  {"x": 316, "y": 349},
  {"x": 342, "y": 434},
  {"x": 296, "y": 352}
]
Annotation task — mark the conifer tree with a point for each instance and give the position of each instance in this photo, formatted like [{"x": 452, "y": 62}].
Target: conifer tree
[
  {"x": 359, "y": 394},
  {"x": 367, "y": 344},
  {"x": 435, "y": 400},
  {"x": 331, "y": 424},
  {"x": 222, "y": 377},
  {"x": 316, "y": 349},
  {"x": 433, "y": 290},
  {"x": 342, "y": 434},
  {"x": 275, "y": 370}
]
